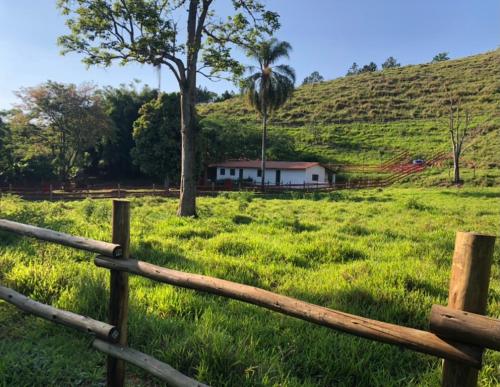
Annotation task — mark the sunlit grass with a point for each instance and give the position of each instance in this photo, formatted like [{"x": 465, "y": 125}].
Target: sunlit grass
[{"x": 381, "y": 254}]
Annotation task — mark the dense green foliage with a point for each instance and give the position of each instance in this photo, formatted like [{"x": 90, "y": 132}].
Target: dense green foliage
[
  {"x": 61, "y": 122},
  {"x": 113, "y": 158},
  {"x": 388, "y": 111},
  {"x": 380, "y": 254},
  {"x": 314, "y": 77},
  {"x": 390, "y": 63},
  {"x": 442, "y": 56},
  {"x": 157, "y": 138}
]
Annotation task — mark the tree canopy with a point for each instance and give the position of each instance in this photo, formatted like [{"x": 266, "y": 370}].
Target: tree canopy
[
  {"x": 188, "y": 37},
  {"x": 314, "y": 77},
  {"x": 368, "y": 68},
  {"x": 390, "y": 63},
  {"x": 62, "y": 121},
  {"x": 122, "y": 105},
  {"x": 353, "y": 70},
  {"x": 157, "y": 138},
  {"x": 269, "y": 86},
  {"x": 440, "y": 57}
]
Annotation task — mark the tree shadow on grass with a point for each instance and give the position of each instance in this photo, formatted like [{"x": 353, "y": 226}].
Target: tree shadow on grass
[
  {"x": 298, "y": 344},
  {"x": 473, "y": 194},
  {"x": 169, "y": 256},
  {"x": 334, "y": 196}
]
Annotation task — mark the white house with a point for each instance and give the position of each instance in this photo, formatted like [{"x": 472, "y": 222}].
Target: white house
[{"x": 277, "y": 172}]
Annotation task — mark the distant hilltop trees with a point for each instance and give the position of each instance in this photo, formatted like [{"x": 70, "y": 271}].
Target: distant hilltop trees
[
  {"x": 315, "y": 77},
  {"x": 368, "y": 68},
  {"x": 441, "y": 57},
  {"x": 389, "y": 63}
]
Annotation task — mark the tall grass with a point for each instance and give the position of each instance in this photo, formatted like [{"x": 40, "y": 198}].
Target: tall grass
[{"x": 380, "y": 254}]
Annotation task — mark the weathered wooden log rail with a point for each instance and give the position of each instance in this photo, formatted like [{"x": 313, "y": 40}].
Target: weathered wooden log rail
[
  {"x": 415, "y": 339},
  {"x": 85, "y": 324},
  {"x": 458, "y": 333},
  {"x": 104, "y": 248}
]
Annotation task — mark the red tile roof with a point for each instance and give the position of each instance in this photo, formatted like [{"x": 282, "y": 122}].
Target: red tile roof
[{"x": 269, "y": 164}]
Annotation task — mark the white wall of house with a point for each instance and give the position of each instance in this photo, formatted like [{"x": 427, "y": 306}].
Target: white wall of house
[
  {"x": 316, "y": 170},
  {"x": 288, "y": 176}
]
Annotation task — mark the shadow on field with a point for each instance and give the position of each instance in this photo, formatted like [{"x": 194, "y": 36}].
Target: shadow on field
[
  {"x": 335, "y": 196},
  {"x": 363, "y": 303},
  {"x": 475, "y": 194},
  {"x": 169, "y": 256},
  {"x": 417, "y": 285}
]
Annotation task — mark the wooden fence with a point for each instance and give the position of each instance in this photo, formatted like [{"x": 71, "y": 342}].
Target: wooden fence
[
  {"x": 458, "y": 333},
  {"x": 397, "y": 168}
]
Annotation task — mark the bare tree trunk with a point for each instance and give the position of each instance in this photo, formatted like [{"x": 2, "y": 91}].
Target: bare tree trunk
[
  {"x": 187, "y": 203},
  {"x": 263, "y": 156},
  {"x": 456, "y": 168}
]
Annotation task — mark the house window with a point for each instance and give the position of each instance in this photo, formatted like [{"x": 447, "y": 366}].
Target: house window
[
  {"x": 222, "y": 171},
  {"x": 315, "y": 177},
  {"x": 259, "y": 172},
  {"x": 232, "y": 172}
]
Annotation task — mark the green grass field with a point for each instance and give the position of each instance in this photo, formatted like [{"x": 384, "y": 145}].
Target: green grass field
[{"x": 380, "y": 254}]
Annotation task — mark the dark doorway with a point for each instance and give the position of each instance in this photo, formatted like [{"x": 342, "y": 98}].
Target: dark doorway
[
  {"x": 241, "y": 174},
  {"x": 278, "y": 177}
]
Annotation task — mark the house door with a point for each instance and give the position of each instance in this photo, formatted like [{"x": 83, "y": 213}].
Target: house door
[
  {"x": 240, "y": 176},
  {"x": 278, "y": 177}
]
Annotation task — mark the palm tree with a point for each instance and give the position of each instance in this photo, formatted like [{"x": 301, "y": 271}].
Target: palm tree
[{"x": 269, "y": 86}]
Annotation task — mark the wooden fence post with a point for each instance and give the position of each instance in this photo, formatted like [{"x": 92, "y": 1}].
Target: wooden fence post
[
  {"x": 118, "y": 301},
  {"x": 469, "y": 282}
]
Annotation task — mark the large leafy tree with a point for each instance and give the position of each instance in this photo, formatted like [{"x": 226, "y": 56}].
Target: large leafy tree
[
  {"x": 63, "y": 122},
  {"x": 269, "y": 86},
  {"x": 186, "y": 36},
  {"x": 157, "y": 138}
]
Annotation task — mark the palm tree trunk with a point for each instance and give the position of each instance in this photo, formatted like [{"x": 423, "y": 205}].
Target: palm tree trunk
[{"x": 263, "y": 156}]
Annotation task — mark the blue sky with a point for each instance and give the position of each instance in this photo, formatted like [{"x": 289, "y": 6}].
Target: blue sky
[{"x": 327, "y": 35}]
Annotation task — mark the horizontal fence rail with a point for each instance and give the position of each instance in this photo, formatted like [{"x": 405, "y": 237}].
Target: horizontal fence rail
[
  {"x": 397, "y": 169},
  {"x": 148, "y": 363},
  {"x": 415, "y": 339},
  {"x": 58, "y": 316},
  {"x": 465, "y": 327},
  {"x": 104, "y": 248}
]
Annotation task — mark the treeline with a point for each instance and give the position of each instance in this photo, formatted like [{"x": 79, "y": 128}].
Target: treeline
[
  {"x": 63, "y": 132},
  {"x": 389, "y": 63}
]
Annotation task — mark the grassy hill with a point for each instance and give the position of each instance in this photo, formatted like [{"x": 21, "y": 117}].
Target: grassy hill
[{"x": 372, "y": 116}]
